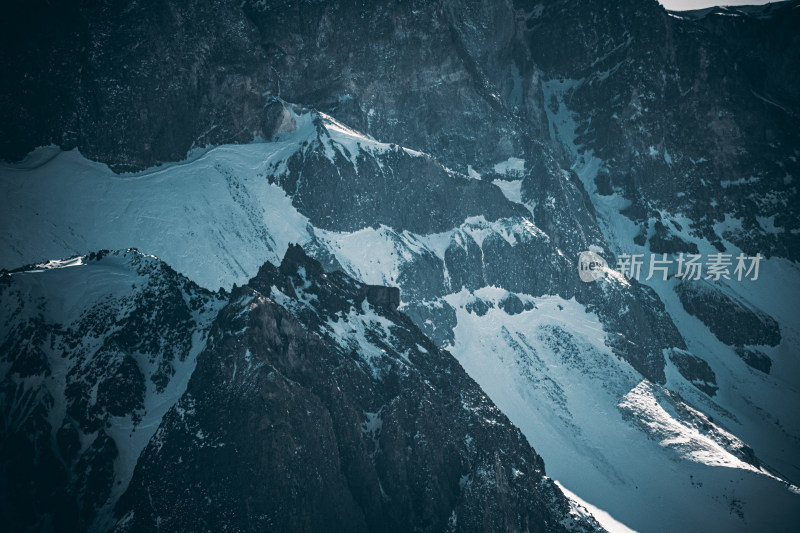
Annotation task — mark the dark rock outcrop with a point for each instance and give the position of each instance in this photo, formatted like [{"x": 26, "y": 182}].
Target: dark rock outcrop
[
  {"x": 733, "y": 322},
  {"x": 755, "y": 358},
  {"x": 690, "y": 113},
  {"x": 665, "y": 242},
  {"x": 346, "y": 189},
  {"x": 315, "y": 405},
  {"x": 141, "y": 84},
  {"x": 308, "y": 412},
  {"x": 695, "y": 370},
  {"x": 380, "y": 296}
]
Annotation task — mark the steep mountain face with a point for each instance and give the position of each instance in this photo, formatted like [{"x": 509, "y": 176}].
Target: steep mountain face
[
  {"x": 451, "y": 231},
  {"x": 198, "y": 73},
  {"x": 510, "y": 138},
  {"x": 496, "y": 290},
  {"x": 444, "y": 278},
  {"x": 312, "y": 404},
  {"x": 318, "y": 406},
  {"x": 697, "y": 116},
  {"x": 93, "y": 352}
]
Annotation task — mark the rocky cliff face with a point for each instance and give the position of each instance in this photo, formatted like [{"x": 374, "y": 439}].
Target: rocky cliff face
[
  {"x": 93, "y": 350},
  {"x": 691, "y": 114},
  {"x": 697, "y": 115},
  {"x": 314, "y": 404},
  {"x": 115, "y": 68},
  {"x": 316, "y": 407},
  {"x": 465, "y": 152},
  {"x": 496, "y": 289}
]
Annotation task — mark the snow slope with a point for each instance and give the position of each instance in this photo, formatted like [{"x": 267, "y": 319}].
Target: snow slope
[
  {"x": 616, "y": 440},
  {"x": 96, "y": 348},
  {"x": 206, "y": 216},
  {"x": 634, "y": 449},
  {"x": 759, "y": 408}
]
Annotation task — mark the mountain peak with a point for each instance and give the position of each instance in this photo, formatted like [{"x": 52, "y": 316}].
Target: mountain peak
[
  {"x": 296, "y": 258},
  {"x": 302, "y": 277},
  {"x": 345, "y": 407}
]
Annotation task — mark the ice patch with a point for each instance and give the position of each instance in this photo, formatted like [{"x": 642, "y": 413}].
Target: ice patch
[
  {"x": 513, "y": 166},
  {"x": 511, "y": 189}
]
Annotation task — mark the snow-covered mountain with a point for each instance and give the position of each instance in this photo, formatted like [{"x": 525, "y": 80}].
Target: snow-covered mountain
[
  {"x": 95, "y": 350},
  {"x": 318, "y": 406},
  {"x": 467, "y": 153},
  {"x": 133, "y": 399},
  {"x": 495, "y": 290}
]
